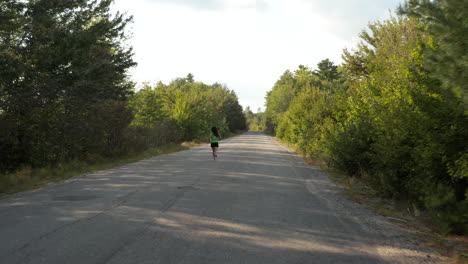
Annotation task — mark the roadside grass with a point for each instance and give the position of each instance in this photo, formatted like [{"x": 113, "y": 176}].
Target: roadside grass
[
  {"x": 399, "y": 212},
  {"x": 27, "y": 178}
]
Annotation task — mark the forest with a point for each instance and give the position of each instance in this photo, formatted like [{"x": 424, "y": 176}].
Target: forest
[
  {"x": 394, "y": 113},
  {"x": 66, "y": 95}
]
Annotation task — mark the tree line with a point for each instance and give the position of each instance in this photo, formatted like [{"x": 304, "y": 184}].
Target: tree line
[
  {"x": 394, "y": 113},
  {"x": 187, "y": 109},
  {"x": 255, "y": 121},
  {"x": 65, "y": 91}
]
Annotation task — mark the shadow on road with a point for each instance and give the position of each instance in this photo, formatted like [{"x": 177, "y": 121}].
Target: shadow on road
[{"x": 258, "y": 203}]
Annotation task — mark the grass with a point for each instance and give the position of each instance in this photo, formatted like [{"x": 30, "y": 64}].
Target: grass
[
  {"x": 401, "y": 213},
  {"x": 27, "y": 178}
]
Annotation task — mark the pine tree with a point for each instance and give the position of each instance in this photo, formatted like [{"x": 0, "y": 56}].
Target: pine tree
[
  {"x": 327, "y": 70},
  {"x": 59, "y": 62},
  {"x": 447, "y": 22}
]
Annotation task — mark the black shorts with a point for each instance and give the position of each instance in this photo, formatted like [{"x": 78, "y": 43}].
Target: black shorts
[{"x": 214, "y": 145}]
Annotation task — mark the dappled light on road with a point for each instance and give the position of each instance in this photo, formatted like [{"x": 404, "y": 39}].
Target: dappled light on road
[{"x": 257, "y": 203}]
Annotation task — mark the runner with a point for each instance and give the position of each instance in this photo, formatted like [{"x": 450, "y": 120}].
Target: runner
[{"x": 214, "y": 139}]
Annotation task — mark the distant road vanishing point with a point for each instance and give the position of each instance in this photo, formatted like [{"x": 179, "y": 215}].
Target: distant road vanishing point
[{"x": 257, "y": 203}]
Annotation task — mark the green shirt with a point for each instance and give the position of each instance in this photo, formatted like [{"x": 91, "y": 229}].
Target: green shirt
[{"x": 214, "y": 139}]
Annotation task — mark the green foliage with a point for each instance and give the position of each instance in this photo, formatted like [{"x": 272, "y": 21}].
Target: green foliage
[
  {"x": 278, "y": 99},
  {"x": 255, "y": 121},
  {"x": 387, "y": 114},
  {"x": 65, "y": 94},
  {"x": 446, "y": 58},
  {"x": 327, "y": 71},
  {"x": 285, "y": 89},
  {"x": 310, "y": 112},
  {"x": 147, "y": 106},
  {"x": 193, "y": 107},
  {"x": 63, "y": 78},
  {"x": 417, "y": 129}
]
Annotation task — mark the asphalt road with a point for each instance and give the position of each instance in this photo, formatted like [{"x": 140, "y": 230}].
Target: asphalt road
[{"x": 258, "y": 203}]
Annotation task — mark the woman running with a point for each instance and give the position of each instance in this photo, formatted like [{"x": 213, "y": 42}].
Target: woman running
[{"x": 214, "y": 139}]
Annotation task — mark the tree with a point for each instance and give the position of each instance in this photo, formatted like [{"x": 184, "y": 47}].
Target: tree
[
  {"x": 193, "y": 107},
  {"x": 327, "y": 70},
  {"x": 248, "y": 113},
  {"x": 190, "y": 78},
  {"x": 400, "y": 124},
  {"x": 278, "y": 99},
  {"x": 255, "y": 121},
  {"x": 446, "y": 58},
  {"x": 59, "y": 61}
]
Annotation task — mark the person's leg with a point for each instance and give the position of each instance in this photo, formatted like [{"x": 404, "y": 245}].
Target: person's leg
[{"x": 215, "y": 150}]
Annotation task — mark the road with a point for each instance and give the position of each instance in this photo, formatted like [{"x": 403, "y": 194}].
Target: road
[{"x": 258, "y": 203}]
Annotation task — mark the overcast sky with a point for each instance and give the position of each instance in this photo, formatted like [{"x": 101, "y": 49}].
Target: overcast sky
[{"x": 245, "y": 44}]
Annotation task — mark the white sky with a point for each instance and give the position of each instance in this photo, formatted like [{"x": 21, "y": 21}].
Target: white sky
[{"x": 245, "y": 44}]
